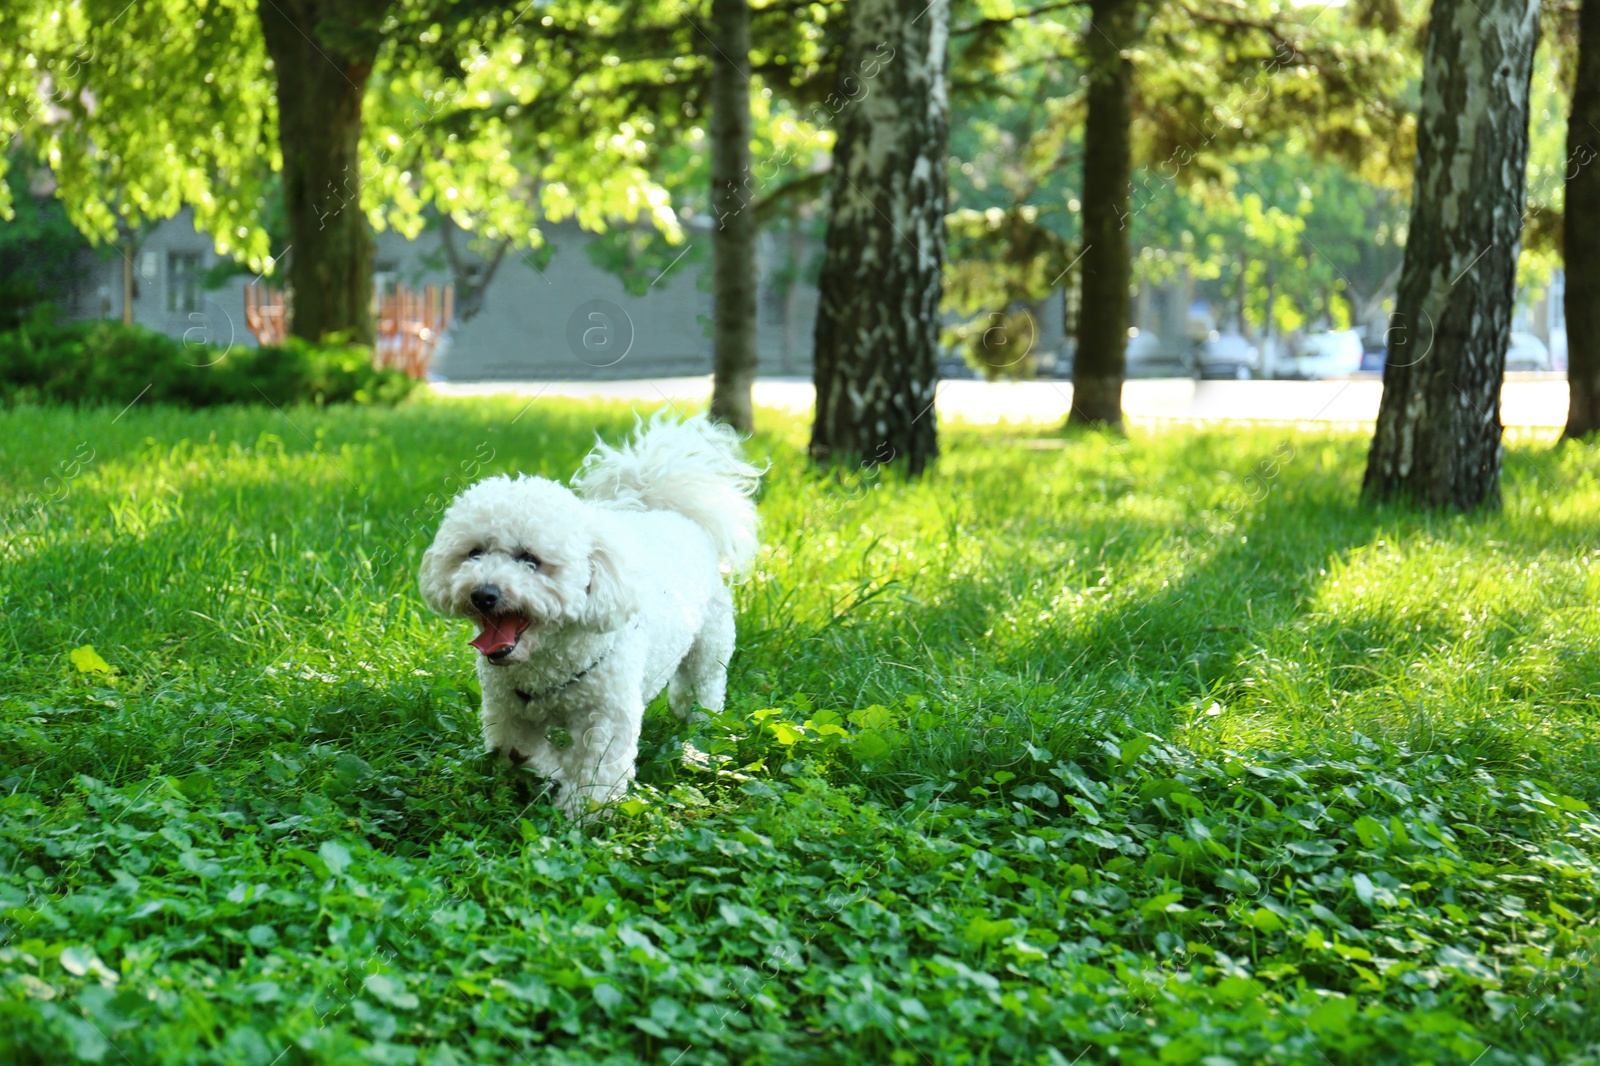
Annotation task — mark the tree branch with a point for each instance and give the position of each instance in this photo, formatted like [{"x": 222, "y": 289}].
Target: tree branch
[
  {"x": 808, "y": 185},
  {"x": 974, "y": 27}
]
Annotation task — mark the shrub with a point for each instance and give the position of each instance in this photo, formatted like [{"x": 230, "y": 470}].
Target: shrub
[
  {"x": 95, "y": 362},
  {"x": 41, "y": 252}
]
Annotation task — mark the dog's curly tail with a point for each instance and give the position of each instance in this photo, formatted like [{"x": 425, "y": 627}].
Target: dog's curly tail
[{"x": 694, "y": 467}]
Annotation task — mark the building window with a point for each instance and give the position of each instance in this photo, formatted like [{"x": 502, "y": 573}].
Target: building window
[{"x": 183, "y": 281}]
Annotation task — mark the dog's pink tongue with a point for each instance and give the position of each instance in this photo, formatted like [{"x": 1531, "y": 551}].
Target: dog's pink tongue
[{"x": 499, "y": 634}]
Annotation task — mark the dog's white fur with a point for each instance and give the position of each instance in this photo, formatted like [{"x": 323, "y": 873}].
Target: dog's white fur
[{"x": 627, "y": 596}]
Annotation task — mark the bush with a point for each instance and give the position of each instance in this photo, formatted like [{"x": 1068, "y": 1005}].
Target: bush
[
  {"x": 95, "y": 362},
  {"x": 41, "y": 253}
]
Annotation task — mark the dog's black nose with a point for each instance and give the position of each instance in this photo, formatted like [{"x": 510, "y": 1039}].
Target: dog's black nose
[{"x": 486, "y": 598}]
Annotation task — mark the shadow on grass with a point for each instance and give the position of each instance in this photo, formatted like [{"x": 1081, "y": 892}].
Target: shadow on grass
[
  {"x": 1211, "y": 604},
  {"x": 264, "y": 623}
]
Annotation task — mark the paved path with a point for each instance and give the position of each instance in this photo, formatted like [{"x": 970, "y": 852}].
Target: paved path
[{"x": 1533, "y": 400}]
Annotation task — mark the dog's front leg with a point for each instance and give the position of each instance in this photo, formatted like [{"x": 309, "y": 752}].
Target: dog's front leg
[
  {"x": 505, "y": 729},
  {"x": 599, "y": 766}
]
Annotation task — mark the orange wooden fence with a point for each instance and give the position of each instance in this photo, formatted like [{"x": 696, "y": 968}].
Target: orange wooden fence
[
  {"x": 409, "y": 324},
  {"x": 264, "y": 314}
]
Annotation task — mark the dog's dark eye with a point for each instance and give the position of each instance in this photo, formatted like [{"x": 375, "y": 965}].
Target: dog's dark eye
[
  {"x": 474, "y": 553},
  {"x": 529, "y": 558}
]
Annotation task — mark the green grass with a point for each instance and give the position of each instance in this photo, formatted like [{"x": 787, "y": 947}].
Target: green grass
[{"x": 1157, "y": 750}]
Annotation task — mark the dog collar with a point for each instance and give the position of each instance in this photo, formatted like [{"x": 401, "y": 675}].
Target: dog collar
[{"x": 530, "y": 697}]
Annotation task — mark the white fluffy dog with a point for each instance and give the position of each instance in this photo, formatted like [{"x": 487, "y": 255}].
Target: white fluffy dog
[{"x": 592, "y": 599}]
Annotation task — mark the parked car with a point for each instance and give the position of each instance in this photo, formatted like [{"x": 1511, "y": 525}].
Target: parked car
[
  {"x": 1330, "y": 354},
  {"x": 1151, "y": 357},
  {"x": 1227, "y": 355},
  {"x": 952, "y": 366},
  {"x": 1527, "y": 352},
  {"x": 1059, "y": 366},
  {"x": 1373, "y": 357}
]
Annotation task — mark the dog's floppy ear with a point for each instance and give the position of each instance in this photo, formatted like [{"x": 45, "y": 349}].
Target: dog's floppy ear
[
  {"x": 610, "y": 598},
  {"x": 433, "y": 581}
]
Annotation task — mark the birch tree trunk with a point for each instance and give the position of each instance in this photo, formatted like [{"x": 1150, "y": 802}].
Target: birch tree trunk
[
  {"x": 1437, "y": 441},
  {"x": 1106, "y": 269},
  {"x": 733, "y": 242},
  {"x": 1581, "y": 226},
  {"x": 877, "y": 334}
]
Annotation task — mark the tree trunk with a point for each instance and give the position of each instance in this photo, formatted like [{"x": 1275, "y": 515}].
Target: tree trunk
[
  {"x": 471, "y": 279},
  {"x": 1581, "y": 225},
  {"x": 1269, "y": 327},
  {"x": 1106, "y": 269},
  {"x": 129, "y": 250},
  {"x": 791, "y": 296},
  {"x": 877, "y": 338},
  {"x": 1437, "y": 442},
  {"x": 733, "y": 243},
  {"x": 321, "y": 83}
]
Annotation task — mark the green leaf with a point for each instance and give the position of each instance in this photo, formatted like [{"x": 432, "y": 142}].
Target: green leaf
[
  {"x": 1265, "y": 921},
  {"x": 82, "y": 961},
  {"x": 983, "y": 931},
  {"x": 1134, "y": 747},
  {"x": 1238, "y": 989},
  {"x": 1371, "y": 832},
  {"x": 88, "y": 661},
  {"x": 312, "y": 862},
  {"x": 1043, "y": 793},
  {"x": 871, "y": 745},
  {"x": 1333, "y": 1016},
  {"x": 335, "y": 855},
  {"x": 262, "y": 991},
  {"x": 1350, "y": 951},
  {"x": 1073, "y": 775},
  {"x": 1166, "y": 903},
  {"x": 391, "y": 991},
  {"x": 874, "y": 718},
  {"x": 786, "y": 733},
  {"x": 1187, "y": 800},
  {"x": 88, "y": 1043},
  {"x": 1311, "y": 848},
  {"x": 608, "y": 997},
  {"x": 77, "y": 961}
]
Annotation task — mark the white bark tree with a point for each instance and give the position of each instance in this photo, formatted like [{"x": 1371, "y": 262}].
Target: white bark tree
[
  {"x": 1437, "y": 441},
  {"x": 877, "y": 337}
]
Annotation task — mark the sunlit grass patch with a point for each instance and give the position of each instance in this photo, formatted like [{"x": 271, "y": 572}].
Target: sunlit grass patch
[{"x": 1162, "y": 744}]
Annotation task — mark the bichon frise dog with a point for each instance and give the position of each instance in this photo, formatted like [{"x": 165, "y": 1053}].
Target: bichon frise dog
[{"x": 592, "y": 599}]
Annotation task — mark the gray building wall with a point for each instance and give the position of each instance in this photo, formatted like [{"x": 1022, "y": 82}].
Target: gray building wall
[{"x": 570, "y": 320}]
